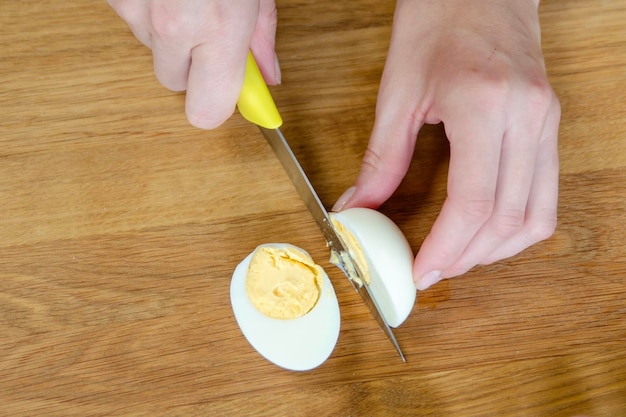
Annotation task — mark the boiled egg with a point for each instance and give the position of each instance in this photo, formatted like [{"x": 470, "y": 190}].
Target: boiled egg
[
  {"x": 384, "y": 256},
  {"x": 285, "y": 306}
]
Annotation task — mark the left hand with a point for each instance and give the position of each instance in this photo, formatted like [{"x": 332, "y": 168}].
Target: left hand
[{"x": 476, "y": 66}]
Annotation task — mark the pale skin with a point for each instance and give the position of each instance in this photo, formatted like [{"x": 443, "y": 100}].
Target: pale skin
[{"x": 476, "y": 66}]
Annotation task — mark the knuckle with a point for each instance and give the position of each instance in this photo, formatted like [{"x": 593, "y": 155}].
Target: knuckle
[
  {"x": 491, "y": 89},
  {"x": 508, "y": 223},
  {"x": 167, "y": 24},
  {"x": 477, "y": 210},
  {"x": 556, "y": 107},
  {"x": 542, "y": 229},
  {"x": 371, "y": 159},
  {"x": 382, "y": 165},
  {"x": 539, "y": 95}
]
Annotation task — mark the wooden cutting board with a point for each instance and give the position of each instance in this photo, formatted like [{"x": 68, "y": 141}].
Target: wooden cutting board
[{"x": 120, "y": 226}]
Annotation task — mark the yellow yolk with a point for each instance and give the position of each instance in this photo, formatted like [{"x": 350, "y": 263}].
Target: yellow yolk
[
  {"x": 354, "y": 249},
  {"x": 283, "y": 282}
]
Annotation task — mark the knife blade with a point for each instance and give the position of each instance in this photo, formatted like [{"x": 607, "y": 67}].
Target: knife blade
[{"x": 257, "y": 106}]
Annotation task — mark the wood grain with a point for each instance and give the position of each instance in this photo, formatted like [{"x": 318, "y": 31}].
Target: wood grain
[{"x": 120, "y": 225}]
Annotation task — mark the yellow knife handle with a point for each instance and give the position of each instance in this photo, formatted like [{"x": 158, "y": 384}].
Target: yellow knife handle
[{"x": 255, "y": 101}]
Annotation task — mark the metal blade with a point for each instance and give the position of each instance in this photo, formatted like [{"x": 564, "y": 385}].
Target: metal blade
[
  {"x": 370, "y": 302},
  {"x": 303, "y": 185},
  {"x": 351, "y": 269},
  {"x": 341, "y": 256}
]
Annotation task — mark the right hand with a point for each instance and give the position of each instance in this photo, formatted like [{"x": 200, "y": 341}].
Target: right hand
[{"x": 202, "y": 45}]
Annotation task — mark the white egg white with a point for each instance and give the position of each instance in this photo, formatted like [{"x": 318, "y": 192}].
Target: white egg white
[
  {"x": 298, "y": 344},
  {"x": 389, "y": 258}
]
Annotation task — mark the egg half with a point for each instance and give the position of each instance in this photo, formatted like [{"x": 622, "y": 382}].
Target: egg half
[
  {"x": 286, "y": 306},
  {"x": 383, "y": 254}
]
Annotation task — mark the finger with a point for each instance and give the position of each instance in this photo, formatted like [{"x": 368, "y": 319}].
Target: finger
[
  {"x": 517, "y": 165},
  {"x": 475, "y": 148},
  {"x": 399, "y": 116},
  {"x": 217, "y": 69},
  {"x": 173, "y": 38},
  {"x": 541, "y": 210},
  {"x": 264, "y": 41},
  {"x": 384, "y": 164},
  {"x": 214, "y": 84}
]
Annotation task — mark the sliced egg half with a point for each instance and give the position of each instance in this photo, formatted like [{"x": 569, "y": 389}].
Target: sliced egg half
[
  {"x": 383, "y": 254},
  {"x": 286, "y": 306}
]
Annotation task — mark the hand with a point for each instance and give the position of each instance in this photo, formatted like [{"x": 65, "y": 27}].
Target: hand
[
  {"x": 201, "y": 46},
  {"x": 476, "y": 66}
]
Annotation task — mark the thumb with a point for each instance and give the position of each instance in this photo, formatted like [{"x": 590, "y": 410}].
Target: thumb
[{"x": 264, "y": 41}]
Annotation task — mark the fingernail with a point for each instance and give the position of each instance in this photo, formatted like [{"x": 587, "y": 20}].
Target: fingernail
[
  {"x": 277, "y": 69},
  {"x": 345, "y": 197},
  {"x": 428, "y": 279}
]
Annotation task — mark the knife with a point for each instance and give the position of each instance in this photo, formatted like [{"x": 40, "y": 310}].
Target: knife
[{"x": 257, "y": 106}]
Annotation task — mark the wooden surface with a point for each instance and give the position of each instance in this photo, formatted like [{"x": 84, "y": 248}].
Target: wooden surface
[{"x": 120, "y": 225}]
